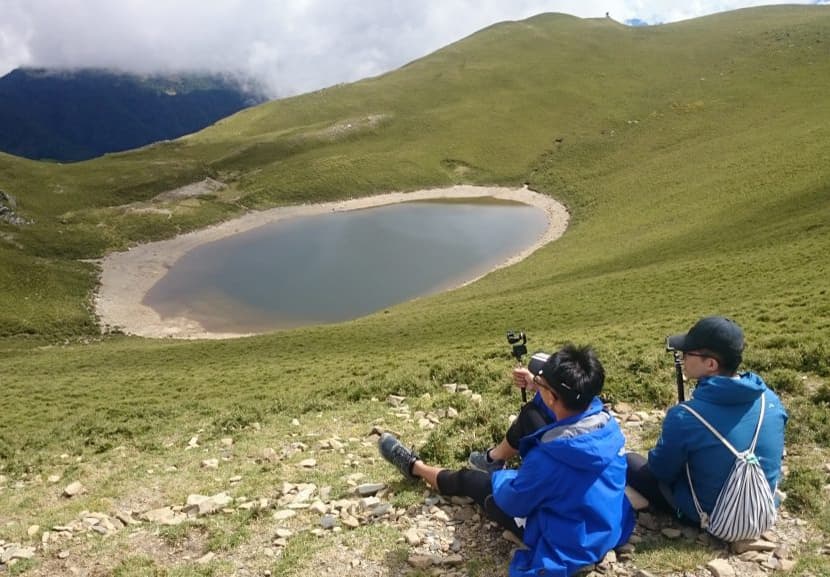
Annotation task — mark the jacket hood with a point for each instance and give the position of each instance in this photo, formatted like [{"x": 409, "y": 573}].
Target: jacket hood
[
  {"x": 589, "y": 441},
  {"x": 739, "y": 390}
]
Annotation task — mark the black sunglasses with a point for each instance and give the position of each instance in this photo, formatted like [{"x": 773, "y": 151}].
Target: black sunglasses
[{"x": 702, "y": 355}]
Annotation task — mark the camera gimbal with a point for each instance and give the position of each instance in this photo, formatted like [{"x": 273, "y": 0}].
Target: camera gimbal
[{"x": 519, "y": 342}]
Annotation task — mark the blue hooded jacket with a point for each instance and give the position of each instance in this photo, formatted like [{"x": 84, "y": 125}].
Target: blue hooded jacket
[
  {"x": 571, "y": 489},
  {"x": 732, "y": 406}
]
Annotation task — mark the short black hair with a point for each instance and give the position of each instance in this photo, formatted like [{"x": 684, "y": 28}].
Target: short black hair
[
  {"x": 727, "y": 364},
  {"x": 576, "y": 375}
]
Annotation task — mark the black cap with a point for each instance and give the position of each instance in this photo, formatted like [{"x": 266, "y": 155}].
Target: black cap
[
  {"x": 549, "y": 370},
  {"x": 720, "y": 335}
]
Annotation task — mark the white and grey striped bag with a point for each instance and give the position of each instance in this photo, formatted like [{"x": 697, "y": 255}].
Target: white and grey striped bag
[{"x": 745, "y": 507}]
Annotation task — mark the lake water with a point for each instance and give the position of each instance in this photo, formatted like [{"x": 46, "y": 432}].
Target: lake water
[{"x": 342, "y": 265}]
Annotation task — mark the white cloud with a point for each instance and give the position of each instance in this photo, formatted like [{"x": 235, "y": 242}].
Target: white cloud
[{"x": 291, "y": 45}]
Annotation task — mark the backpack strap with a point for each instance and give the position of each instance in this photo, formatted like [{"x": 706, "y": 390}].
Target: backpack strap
[
  {"x": 704, "y": 517},
  {"x": 722, "y": 439}
]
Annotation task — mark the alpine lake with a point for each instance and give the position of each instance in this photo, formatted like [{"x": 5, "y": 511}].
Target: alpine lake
[{"x": 338, "y": 266}]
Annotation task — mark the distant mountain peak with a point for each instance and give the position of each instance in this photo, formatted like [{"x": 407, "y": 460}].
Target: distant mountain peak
[{"x": 77, "y": 114}]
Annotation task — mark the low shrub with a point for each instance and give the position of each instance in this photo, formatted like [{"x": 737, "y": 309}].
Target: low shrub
[{"x": 803, "y": 487}]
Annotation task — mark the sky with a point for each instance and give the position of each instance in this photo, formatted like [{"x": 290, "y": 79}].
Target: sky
[{"x": 288, "y": 46}]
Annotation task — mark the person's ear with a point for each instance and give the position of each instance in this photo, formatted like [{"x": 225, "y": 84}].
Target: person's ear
[{"x": 712, "y": 364}]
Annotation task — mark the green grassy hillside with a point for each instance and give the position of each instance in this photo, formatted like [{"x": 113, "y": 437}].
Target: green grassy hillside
[{"x": 693, "y": 157}]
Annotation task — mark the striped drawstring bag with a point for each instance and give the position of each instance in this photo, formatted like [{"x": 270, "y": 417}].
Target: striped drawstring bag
[{"x": 745, "y": 507}]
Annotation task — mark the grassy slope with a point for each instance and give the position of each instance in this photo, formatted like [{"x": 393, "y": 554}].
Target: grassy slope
[{"x": 693, "y": 157}]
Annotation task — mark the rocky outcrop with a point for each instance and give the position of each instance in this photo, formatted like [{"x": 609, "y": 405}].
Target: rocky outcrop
[{"x": 8, "y": 205}]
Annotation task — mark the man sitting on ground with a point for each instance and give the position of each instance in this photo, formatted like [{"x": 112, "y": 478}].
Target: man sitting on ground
[
  {"x": 567, "y": 500},
  {"x": 687, "y": 469}
]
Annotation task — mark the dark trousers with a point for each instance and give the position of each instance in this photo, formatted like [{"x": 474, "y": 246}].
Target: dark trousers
[
  {"x": 640, "y": 477},
  {"x": 531, "y": 418},
  {"x": 476, "y": 484}
]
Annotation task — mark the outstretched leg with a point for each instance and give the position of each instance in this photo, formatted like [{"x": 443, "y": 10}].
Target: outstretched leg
[{"x": 462, "y": 483}]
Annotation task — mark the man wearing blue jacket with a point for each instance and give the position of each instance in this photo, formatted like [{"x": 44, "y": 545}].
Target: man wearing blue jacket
[
  {"x": 567, "y": 500},
  {"x": 731, "y": 403}
]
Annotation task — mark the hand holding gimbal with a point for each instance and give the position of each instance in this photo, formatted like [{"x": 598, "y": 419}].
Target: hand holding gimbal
[{"x": 519, "y": 342}]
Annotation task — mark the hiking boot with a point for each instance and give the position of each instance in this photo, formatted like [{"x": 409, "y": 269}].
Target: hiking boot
[
  {"x": 479, "y": 460},
  {"x": 393, "y": 451}
]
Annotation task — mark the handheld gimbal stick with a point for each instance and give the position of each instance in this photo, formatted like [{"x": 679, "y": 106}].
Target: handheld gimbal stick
[
  {"x": 678, "y": 371},
  {"x": 519, "y": 342}
]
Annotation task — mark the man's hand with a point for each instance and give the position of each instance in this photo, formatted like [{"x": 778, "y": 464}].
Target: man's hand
[{"x": 523, "y": 379}]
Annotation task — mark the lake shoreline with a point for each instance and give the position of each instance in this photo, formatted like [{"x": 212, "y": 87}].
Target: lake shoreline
[{"x": 127, "y": 276}]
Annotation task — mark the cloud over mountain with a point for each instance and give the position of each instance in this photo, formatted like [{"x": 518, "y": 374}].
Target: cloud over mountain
[{"x": 291, "y": 46}]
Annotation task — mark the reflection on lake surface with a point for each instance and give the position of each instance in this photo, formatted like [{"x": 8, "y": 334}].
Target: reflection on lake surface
[{"x": 342, "y": 265}]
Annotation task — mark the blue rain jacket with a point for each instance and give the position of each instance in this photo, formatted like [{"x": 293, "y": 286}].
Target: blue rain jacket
[
  {"x": 570, "y": 487},
  {"x": 732, "y": 406}
]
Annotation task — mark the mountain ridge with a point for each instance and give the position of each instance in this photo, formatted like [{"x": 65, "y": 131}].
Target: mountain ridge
[{"x": 74, "y": 115}]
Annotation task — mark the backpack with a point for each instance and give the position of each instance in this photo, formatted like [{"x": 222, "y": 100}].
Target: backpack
[{"x": 745, "y": 507}]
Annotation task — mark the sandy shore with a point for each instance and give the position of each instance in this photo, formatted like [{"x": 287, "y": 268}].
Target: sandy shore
[{"x": 126, "y": 277}]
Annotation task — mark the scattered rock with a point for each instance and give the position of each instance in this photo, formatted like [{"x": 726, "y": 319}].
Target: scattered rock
[
  {"x": 757, "y": 545},
  {"x": 164, "y": 516},
  {"x": 15, "y": 551},
  {"x": 284, "y": 514},
  {"x": 786, "y": 565},
  {"x": 395, "y": 400},
  {"x": 269, "y": 455},
  {"x": 412, "y": 537},
  {"x": 210, "y": 464},
  {"x": 126, "y": 517},
  {"x": 420, "y": 561},
  {"x": 200, "y": 505},
  {"x": 609, "y": 559},
  {"x": 369, "y": 502},
  {"x": 73, "y": 489},
  {"x": 720, "y": 568},
  {"x": 319, "y": 507},
  {"x": 349, "y": 521},
  {"x": 369, "y": 489}
]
